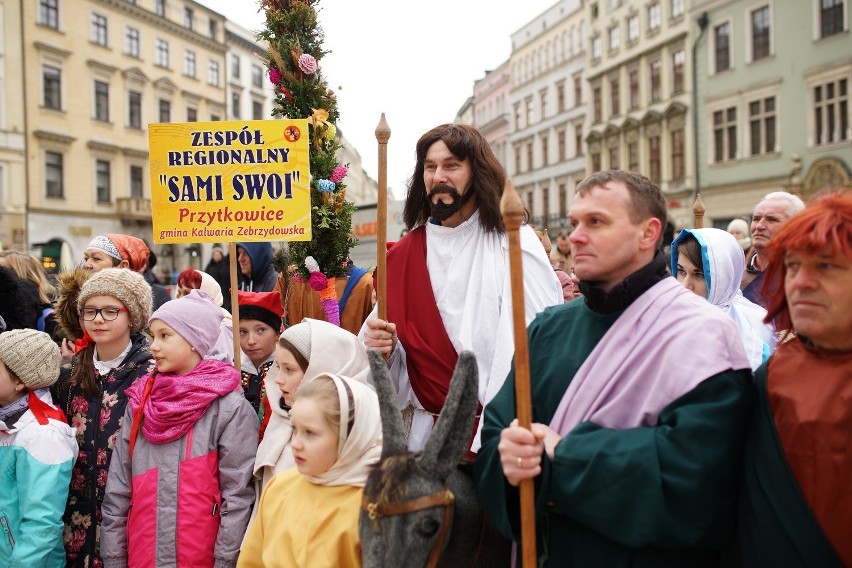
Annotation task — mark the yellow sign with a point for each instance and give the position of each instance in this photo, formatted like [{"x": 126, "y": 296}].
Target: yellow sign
[{"x": 230, "y": 181}]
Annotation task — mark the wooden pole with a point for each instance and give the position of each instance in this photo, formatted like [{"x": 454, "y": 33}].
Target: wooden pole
[
  {"x": 512, "y": 210},
  {"x": 698, "y": 212},
  {"x": 235, "y": 302},
  {"x": 382, "y": 136}
]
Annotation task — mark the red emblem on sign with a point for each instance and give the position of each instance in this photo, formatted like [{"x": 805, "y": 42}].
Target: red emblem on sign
[{"x": 292, "y": 133}]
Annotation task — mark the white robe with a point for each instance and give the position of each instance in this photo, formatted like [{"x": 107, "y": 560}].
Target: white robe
[{"x": 469, "y": 272}]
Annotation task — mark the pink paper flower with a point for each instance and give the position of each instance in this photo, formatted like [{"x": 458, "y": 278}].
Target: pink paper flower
[
  {"x": 318, "y": 281},
  {"x": 338, "y": 173},
  {"x": 274, "y": 76},
  {"x": 307, "y": 64}
]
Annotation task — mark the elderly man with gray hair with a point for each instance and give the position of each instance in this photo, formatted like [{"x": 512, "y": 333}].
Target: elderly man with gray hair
[{"x": 769, "y": 216}]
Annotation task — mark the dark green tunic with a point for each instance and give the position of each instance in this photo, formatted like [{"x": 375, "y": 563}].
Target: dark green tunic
[{"x": 641, "y": 497}]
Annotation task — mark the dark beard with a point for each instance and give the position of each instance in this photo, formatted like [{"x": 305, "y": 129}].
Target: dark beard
[{"x": 443, "y": 211}]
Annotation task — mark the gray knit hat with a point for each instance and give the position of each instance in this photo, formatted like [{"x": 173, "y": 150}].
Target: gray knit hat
[
  {"x": 126, "y": 286},
  {"x": 299, "y": 336},
  {"x": 32, "y": 356}
]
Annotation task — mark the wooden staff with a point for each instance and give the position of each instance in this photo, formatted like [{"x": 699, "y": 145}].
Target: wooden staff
[
  {"x": 382, "y": 136},
  {"x": 512, "y": 210},
  {"x": 235, "y": 302},
  {"x": 698, "y": 211}
]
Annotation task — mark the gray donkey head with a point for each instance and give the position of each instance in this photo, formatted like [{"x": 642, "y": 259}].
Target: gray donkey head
[{"x": 419, "y": 508}]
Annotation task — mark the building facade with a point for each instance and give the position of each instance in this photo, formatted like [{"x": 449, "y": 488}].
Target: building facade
[
  {"x": 548, "y": 106},
  {"x": 491, "y": 110},
  {"x": 13, "y": 175},
  {"x": 760, "y": 61},
  {"x": 249, "y": 93},
  {"x": 640, "y": 109},
  {"x": 97, "y": 73}
]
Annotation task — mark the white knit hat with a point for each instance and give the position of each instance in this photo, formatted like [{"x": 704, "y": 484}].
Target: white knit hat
[
  {"x": 299, "y": 336},
  {"x": 32, "y": 356}
]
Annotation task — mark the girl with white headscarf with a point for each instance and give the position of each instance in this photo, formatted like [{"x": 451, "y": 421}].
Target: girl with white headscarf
[
  {"x": 308, "y": 515},
  {"x": 710, "y": 262}
]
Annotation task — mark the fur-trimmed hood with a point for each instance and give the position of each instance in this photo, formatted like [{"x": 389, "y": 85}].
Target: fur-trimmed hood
[{"x": 68, "y": 285}]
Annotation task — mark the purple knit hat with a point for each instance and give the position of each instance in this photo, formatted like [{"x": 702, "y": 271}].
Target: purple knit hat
[{"x": 196, "y": 317}]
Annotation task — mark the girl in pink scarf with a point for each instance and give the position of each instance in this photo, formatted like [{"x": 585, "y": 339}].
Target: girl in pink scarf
[{"x": 185, "y": 456}]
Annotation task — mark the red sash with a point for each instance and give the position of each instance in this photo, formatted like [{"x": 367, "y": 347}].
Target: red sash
[
  {"x": 430, "y": 355},
  {"x": 43, "y": 411}
]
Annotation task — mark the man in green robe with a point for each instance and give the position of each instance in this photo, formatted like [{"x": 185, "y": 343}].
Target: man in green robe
[{"x": 640, "y": 395}]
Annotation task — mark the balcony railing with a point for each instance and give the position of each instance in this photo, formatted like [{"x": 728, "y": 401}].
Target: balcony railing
[{"x": 133, "y": 208}]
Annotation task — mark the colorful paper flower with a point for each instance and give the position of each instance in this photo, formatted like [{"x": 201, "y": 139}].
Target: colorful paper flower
[
  {"x": 326, "y": 287},
  {"x": 275, "y": 76},
  {"x": 319, "y": 117},
  {"x": 338, "y": 173},
  {"x": 307, "y": 64},
  {"x": 326, "y": 186},
  {"x": 330, "y": 131}
]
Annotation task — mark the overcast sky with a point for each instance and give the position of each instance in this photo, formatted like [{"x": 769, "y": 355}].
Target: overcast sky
[{"x": 414, "y": 61}]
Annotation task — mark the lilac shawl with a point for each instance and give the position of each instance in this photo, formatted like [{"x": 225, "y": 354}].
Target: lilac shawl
[
  {"x": 664, "y": 344},
  {"x": 177, "y": 402}
]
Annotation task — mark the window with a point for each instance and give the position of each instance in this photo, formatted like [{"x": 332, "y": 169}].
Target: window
[
  {"x": 596, "y": 162},
  {"x": 725, "y": 134},
  {"x": 830, "y": 17},
  {"x": 633, "y": 156},
  {"x": 613, "y": 96},
  {"x": 760, "y": 33},
  {"x": 256, "y": 76},
  {"x": 722, "y": 37},
  {"x": 257, "y": 110},
  {"x": 517, "y": 158},
  {"x": 530, "y": 202},
  {"x": 160, "y": 7},
  {"x": 102, "y": 181},
  {"x": 52, "y": 85},
  {"x": 529, "y": 110},
  {"x": 656, "y": 68},
  {"x": 578, "y": 90},
  {"x": 596, "y": 104},
  {"x": 542, "y": 96},
  {"x": 613, "y": 158},
  {"x": 578, "y": 140},
  {"x": 187, "y": 18},
  {"x": 165, "y": 108},
  {"x": 560, "y": 145},
  {"x": 212, "y": 29},
  {"x": 761, "y": 126},
  {"x": 678, "y": 59},
  {"x": 136, "y": 188},
  {"x": 596, "y": 48},
  {"x": 545, "y": 205},
  {"x": 677, "y": 8},
  {"x": 214, "y": 118},
  {"x": 99, "y": 29},
  {"x": 563, "y": 201},
  {"x": 678, "y": 153},
  {"x": 235, "y": 66},
  {"x": 213, "y": 73},
  {"x": 560, "y": 96},
  {"x": 614, "y": 38},
  {"x": 831, "y": 111},
  {"x": 101, "y": 101},
  {"x": 191, "y": 114},
  {"x": 131, "y": 41},
  {"x": 633, "y": 77},
  {"x": 161, "y": 53},
  {"x": 529, "y": 155},
  {"x": 633, "y": 28},
  {"x": 48, "y": 13},
  {"x": 517, "y": 109},
  {"x": 654, "y": 158},
  {"x": 654, "y": 17},
  {"x": 134, "y": 109},
  {"x": 189, "y": 63},
  {"x": 53, "y": 185},
  {"x": 235, "y": 105},
  {"x": 545, "y": 150}
]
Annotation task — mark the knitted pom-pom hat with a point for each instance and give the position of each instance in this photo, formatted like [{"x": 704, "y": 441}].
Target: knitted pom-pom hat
[
  {"x": 126, "y": 286},
  {"x": 32, "y": 356}
]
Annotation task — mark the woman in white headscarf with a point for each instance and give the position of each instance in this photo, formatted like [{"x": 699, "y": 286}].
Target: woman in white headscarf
[{"x": 710, "y": 263}]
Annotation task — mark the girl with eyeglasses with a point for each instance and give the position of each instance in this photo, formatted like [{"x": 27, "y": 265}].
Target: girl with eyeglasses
[{"x": 113, "y": 306}]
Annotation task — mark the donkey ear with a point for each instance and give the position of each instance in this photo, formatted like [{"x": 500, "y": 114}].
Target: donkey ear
[
  {"x": 451, "y": 436},
  {"x": 393, "y": 437}
]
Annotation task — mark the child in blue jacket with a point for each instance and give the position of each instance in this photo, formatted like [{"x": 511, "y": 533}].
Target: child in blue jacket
[{"x": 37, "y": 451}]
